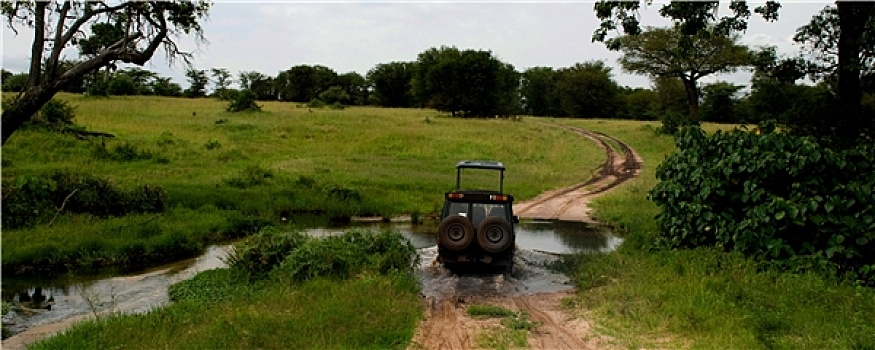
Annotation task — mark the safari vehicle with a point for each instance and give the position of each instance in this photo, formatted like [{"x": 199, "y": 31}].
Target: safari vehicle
[{"x": 477, "y": 224}]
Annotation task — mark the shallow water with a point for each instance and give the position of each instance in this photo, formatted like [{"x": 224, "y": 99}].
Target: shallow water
[{"x": 43, "y": 301}]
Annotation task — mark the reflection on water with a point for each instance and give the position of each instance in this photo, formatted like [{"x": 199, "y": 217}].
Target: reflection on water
[{"x": 42, "y": 301}]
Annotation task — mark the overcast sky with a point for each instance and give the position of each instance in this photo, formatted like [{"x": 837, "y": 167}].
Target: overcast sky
[{"x": 270, "y": 37}]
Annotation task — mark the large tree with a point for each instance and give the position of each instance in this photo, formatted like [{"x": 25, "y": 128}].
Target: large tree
[
  {"x": 586, "y": 90},
  {"x": 832, "y": 59},
  {"x": 469, "y": 83},
  {"x": 392, "y": 83},
  {"x": 664, "y": 52},
  {"x": 57, "y": 25}
]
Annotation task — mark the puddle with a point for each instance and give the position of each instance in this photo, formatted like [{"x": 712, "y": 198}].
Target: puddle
[{"x": 39, "y": 301}]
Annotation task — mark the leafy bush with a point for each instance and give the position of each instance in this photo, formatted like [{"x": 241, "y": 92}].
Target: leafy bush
[
  {"x": 27, "y": 201},
  {"x": 774, "y": 196},
  {"x": 334, "y": 95},
  {"x": 295, "y": 256},
  {"x": 54, "y": 115},
  {"x": 349, "y": 254},
  {"x": 264, "y": 251},
  {"x": 30, "y": 200},
  {"x": 242, "y": 101}
]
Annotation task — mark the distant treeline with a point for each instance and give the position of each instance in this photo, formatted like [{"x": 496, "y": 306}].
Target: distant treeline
[{"x": 471, "y": 83}]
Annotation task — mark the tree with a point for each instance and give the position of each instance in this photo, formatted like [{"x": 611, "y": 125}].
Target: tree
[
  {"x": 720, "y": 102},
  {"x": 539, "y": 92},
  {"x": 163, "y": 86},
  {"x": 467, "y": 83},
  {"x": 304, "y": 83},
  {"x": 661, "y": 52},
  {"x": 261, "y": 85},
  {"x": 586, "y": 90},
  {"x": 222, "y": 80},
  {"x": 148, "y": 26},
  {"x": 840, "y": 44},
  {"x": 392, "y": 83},
  {"x": 198, "y": 80},
  {"x": 690, "y": 17},
  {"x": 355, "y": 86}
]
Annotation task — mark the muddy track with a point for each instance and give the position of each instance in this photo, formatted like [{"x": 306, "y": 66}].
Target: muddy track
[
  {"x": 572, "y": 203},
  {"x": 447, "y": 325}
]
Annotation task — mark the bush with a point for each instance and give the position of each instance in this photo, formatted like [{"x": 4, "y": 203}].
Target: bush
[
  {"x": 774, "y": 196},
  {"x": 30, "y": 200},
  {"x": 242, "y": 101},
  {"x": 54, "y": 115},
  {"x": 121, "y": 153},
  {"x": 263, "y": 251},
  {"x": 334, "y": 95},
  {"x": 349, "y": 254}
]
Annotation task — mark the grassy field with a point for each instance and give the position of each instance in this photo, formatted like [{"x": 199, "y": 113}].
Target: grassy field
[{"x": 400, "y": 161}]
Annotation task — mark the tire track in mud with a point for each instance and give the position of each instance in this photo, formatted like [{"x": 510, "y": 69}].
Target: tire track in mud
[{"x": 572, "y": 203}]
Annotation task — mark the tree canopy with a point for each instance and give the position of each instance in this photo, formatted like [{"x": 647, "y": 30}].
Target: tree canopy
[
  {"x": 58, "y": 25},
  {"x": 664, "y": 52}
]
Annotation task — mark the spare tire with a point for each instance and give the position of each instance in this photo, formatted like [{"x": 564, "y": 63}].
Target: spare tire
[
  {"x": 456, "y": 232},
  {"x": 495, "y": 234}
]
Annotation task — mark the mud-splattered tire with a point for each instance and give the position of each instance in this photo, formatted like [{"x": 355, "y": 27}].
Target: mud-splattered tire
[
  {"x": 495, "y": 234},
  {"x": 456, "y": 233}
]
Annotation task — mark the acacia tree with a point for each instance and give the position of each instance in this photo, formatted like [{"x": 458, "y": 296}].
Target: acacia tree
[
  {"x": 58, "y": 25},
  {"x": 222, "y": 79},
  {"x": 662, "y": 52}
]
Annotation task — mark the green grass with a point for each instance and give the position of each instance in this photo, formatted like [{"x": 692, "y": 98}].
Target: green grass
[
  {"x": 365, "y": 312},
  {"x": 704, "y": 298}
]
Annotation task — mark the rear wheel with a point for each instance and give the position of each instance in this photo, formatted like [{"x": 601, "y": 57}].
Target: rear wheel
[
  {"x": 495, "y": 234},
  {"x": 456, "y": 232}
]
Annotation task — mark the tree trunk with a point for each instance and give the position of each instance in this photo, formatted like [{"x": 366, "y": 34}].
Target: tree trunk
[
  {"x": 851, "y": 23},
  {"x": 692, "y": 98},
  {"x": 853, "y": 17},
  {"x": 25, "y": 106}
]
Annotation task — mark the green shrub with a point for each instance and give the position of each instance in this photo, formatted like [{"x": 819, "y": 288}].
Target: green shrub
[
  {"x": 777, "y": 197},
  {"x": 242, "y": 101},
  {"x": 30, "y": 200},
  {"x": 349, "y": 254},
  {"x": 126, "y": 152},
  {"x": 263, "y": 251},
  {"x": 55, "y": 115},
  {"x": 27, "y": 201}
]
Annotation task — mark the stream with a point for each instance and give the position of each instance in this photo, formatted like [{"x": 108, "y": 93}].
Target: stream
[{"x": 37, "y": 301}]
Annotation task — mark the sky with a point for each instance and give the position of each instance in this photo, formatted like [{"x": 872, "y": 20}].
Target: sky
[{"x": 270, "y": 37}]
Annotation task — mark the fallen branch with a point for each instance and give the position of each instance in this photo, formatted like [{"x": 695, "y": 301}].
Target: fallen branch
[{"x": 63, "y": 204}]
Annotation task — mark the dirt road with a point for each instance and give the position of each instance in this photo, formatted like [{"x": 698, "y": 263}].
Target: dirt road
[
  {"x": 572, "y": 203},
  {"x": 447, "y": 324}
]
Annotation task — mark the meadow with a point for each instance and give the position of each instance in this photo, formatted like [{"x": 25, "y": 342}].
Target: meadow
[{"x": 216, "y": 165}]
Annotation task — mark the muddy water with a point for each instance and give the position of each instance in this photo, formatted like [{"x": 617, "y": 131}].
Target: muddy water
[{"x": 41, "y": 302}]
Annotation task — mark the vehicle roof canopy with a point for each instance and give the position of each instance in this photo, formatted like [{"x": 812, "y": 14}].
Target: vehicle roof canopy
[{"x": 480, "y": 164}]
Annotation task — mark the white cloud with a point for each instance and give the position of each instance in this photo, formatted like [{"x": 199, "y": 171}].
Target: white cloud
[{"x": 271, "y": 37}]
